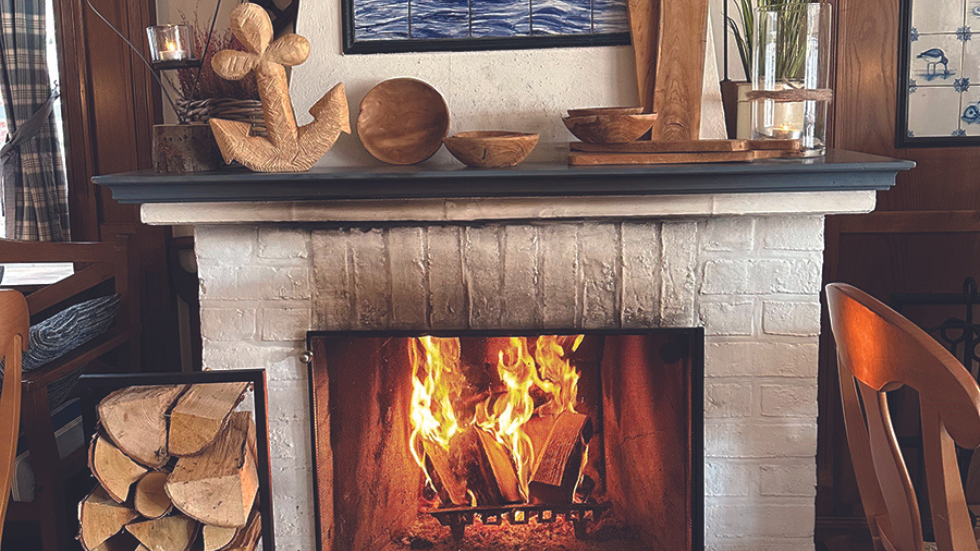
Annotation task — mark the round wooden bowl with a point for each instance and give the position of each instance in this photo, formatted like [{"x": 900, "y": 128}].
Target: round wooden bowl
[
  {"x": 491, "y": 149},
  {"x": 402, "y": 121},
  {"x": 605, "y": 111},
  {"x": 610, "y": 128}
]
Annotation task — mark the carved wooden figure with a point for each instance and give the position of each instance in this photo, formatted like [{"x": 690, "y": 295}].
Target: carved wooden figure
[{"x": 288, "y": 148}]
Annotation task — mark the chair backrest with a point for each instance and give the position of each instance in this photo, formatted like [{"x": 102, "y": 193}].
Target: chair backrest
[
  {"x": 878, "y": 350},
  {"x": 14, "y": 331}
]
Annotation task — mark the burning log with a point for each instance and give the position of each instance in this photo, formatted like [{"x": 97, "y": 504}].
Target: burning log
[
  {"x": 504, "y": 473},
  {"x": 448, "y": 484},
  {"x": 468, "y": 459},
  {"x": 200, "y": 414},
  {"x": 100, "y": 518},
  {"x": 558, "y": 466},
  {"x": 135, "y": 418},
  {"x": 150, "y": 498},
  {"x": 173, "y": 533},
  {"x": 218, "y": 487},
  {"x": 112, "y": 468}
]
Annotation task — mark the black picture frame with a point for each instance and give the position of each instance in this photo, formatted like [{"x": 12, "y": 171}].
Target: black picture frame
[
  {"x": 902, "y": 138},
  {"x": 353, "y": 46},
  {"x": 93, "y": 388}
]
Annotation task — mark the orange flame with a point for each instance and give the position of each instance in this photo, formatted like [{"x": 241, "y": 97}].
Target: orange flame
[{"x": 545, "y": 377}]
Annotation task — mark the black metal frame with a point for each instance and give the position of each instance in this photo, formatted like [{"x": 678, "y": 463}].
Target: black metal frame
[
  {"x": 94, "y": 388},
  {"x": 696, "y": 335},
  {"x": 353, "y": 46},
  {"x": 902, "y": 139}
]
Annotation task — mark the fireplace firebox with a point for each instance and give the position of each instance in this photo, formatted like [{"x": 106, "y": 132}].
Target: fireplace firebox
[{"x": 476, "y": 440}]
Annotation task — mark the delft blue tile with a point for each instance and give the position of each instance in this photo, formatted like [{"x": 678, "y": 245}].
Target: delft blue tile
[
  {"x": 556, "y": 17},
  {"x": 938, "y": 16},
  {"x": 500, "y": 18},
  {"x": 934, "y": 112},
  {"x": 936, "y": 60},
  {"x": 609, "y": 16},
  {"x": 380, "y": 19},
  {"x": 434, "y": 19}
]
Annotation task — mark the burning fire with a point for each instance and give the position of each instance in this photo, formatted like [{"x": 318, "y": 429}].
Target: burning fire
[{"x": 535, "y": 380}]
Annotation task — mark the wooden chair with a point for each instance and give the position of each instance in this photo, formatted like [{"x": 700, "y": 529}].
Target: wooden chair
[
  {"x": 878, "y": 351},
  {"x": 100, "y": 268},
  {"x": 14, "y": 329}
]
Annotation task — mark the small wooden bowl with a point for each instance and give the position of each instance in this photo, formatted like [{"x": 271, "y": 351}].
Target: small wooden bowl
[
  {"x": 605, "y": 111},
  {"x": 402, "y": 121},
  {"x": 491, "y": 149},
  {"x": 610, "y": 128}
]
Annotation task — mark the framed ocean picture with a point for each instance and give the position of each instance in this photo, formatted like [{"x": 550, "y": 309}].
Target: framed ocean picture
[
  {"x": 939, "y": 74},
  {"x": 383, "y": 26}
]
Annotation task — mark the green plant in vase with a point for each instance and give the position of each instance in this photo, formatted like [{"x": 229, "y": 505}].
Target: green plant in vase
[{"x": 790, "y": 51}]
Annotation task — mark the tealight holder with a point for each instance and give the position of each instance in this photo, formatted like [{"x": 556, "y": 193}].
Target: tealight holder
[
  {"x": 172, "y": 45},
  {"x": 791, "y": 92}
]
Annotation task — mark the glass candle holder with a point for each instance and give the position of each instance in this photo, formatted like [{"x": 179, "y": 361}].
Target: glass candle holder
[
  {"x": 791, "y": 74},
  {"x": 171, "y": 43}
]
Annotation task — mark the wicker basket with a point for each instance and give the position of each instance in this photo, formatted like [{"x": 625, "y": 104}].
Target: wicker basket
[{"x": 242, "y": 110}]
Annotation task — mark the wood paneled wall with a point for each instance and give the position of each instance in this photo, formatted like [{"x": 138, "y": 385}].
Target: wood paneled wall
[
  {"x": 923, "y": 238},
  {"x": 110, "y": 103}
]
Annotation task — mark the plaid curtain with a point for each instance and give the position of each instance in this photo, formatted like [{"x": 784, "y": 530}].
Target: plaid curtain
[{"x": 34, "y": 182}]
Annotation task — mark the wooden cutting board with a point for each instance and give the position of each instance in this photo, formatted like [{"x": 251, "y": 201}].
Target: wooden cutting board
[
  {"x": 687, "y": 146},
  {"x": 644, "y": 16}
]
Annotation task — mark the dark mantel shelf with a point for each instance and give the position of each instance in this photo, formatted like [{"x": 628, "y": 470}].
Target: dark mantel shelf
[{"x": 838, "y": 171}]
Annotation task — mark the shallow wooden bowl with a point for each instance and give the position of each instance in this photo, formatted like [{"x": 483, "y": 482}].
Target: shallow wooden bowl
[
  {"x": 491, "y": 149},
  {"x": 610, "y": 128},
  {"x": 403, "y": 121},
  {"x": 605, "y": 111}
]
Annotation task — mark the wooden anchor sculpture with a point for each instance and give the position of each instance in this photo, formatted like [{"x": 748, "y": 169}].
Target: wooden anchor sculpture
[{"x": 287, "y": 148}]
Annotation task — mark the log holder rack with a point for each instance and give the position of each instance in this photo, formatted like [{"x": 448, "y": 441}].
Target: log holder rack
[{"x": 579, "y": 514}]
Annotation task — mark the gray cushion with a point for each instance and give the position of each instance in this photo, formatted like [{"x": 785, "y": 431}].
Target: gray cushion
[{"x": 64, "y": 332}]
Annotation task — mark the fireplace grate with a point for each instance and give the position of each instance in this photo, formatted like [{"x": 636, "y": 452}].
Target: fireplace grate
[{"x": 458, "y": 518}]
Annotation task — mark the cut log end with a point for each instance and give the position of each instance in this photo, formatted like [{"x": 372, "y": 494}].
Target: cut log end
[
  {"x": 559, "y": 464},
  {"x": 135, "y": 420},
  {"x": 100, "y": 518},
  {"x": 218, "y": 538},
  {"x": 150, "y": 498},
  {"x": 173, "y": 533},
  {"x": 200, "y": 415},
  {"x": 113, "y": 468}
]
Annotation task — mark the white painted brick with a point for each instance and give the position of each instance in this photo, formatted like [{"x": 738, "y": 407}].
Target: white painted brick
[
  {"x": 558, "y": 249},
  {"x": 725, "y": 277},
  {"x": 285, "y": 324},
  {"x": 598, "y": 253},
  {"x": 220, "y": 281},
  {"x": 797, "y": 233},
  {"x": 289, "y": 368},
  {"x": 520, "y": 291},
  {"x": 729, "y": 234},
  {"x": 289, "y": 439},
  {"x": 292, "y": 493},
  {"x": 288, "y": 400},
  {"x": 243, "y": 356},
  {"x": 760, "y": 359},
  {"x": 788, "y": 480},
  {"x": 789, "y": 276},
  {"x": 748, "y": 438},
  {"x": 641, "y": 274},
  {"x": 679, "y": 246},
  {"x": 409, "y": 300},
  {"x": 791, "y": 318},
  {"x": 790, "y": 399},
  {"x": 283, "y": 242},
  {"x": 756, "y": 543},
  {"x": 233, "y": 244},
  {"x": 725, "y": 478},
  {"x": 228, "y": 324},
  {"x": 727, "y": 399},
  {"x": 445, "y": 271},
  {"x": 728, "y": 317},
  {"x": 484, "y": 281},
  {"x": 372, "y": 286},
  {"x": 332, "y": 276},
  {"x": 754, "y": 520}
]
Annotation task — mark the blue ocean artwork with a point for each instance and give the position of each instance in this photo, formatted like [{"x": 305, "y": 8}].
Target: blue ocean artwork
[
  {"x": 392, "y": 20},
  {"x": 934, "y": 58}
]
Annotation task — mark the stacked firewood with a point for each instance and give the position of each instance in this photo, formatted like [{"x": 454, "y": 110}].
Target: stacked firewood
[{"x": 176, "y": 467}]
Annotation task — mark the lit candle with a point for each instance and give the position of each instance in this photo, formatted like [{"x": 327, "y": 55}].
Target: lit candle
[
  {"x": 785, "y": 132},
  {"x": 171, "y": 53}
]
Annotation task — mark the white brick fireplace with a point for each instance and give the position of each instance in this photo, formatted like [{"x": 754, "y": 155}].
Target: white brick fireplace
[{"x": 746, "y": 267}]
